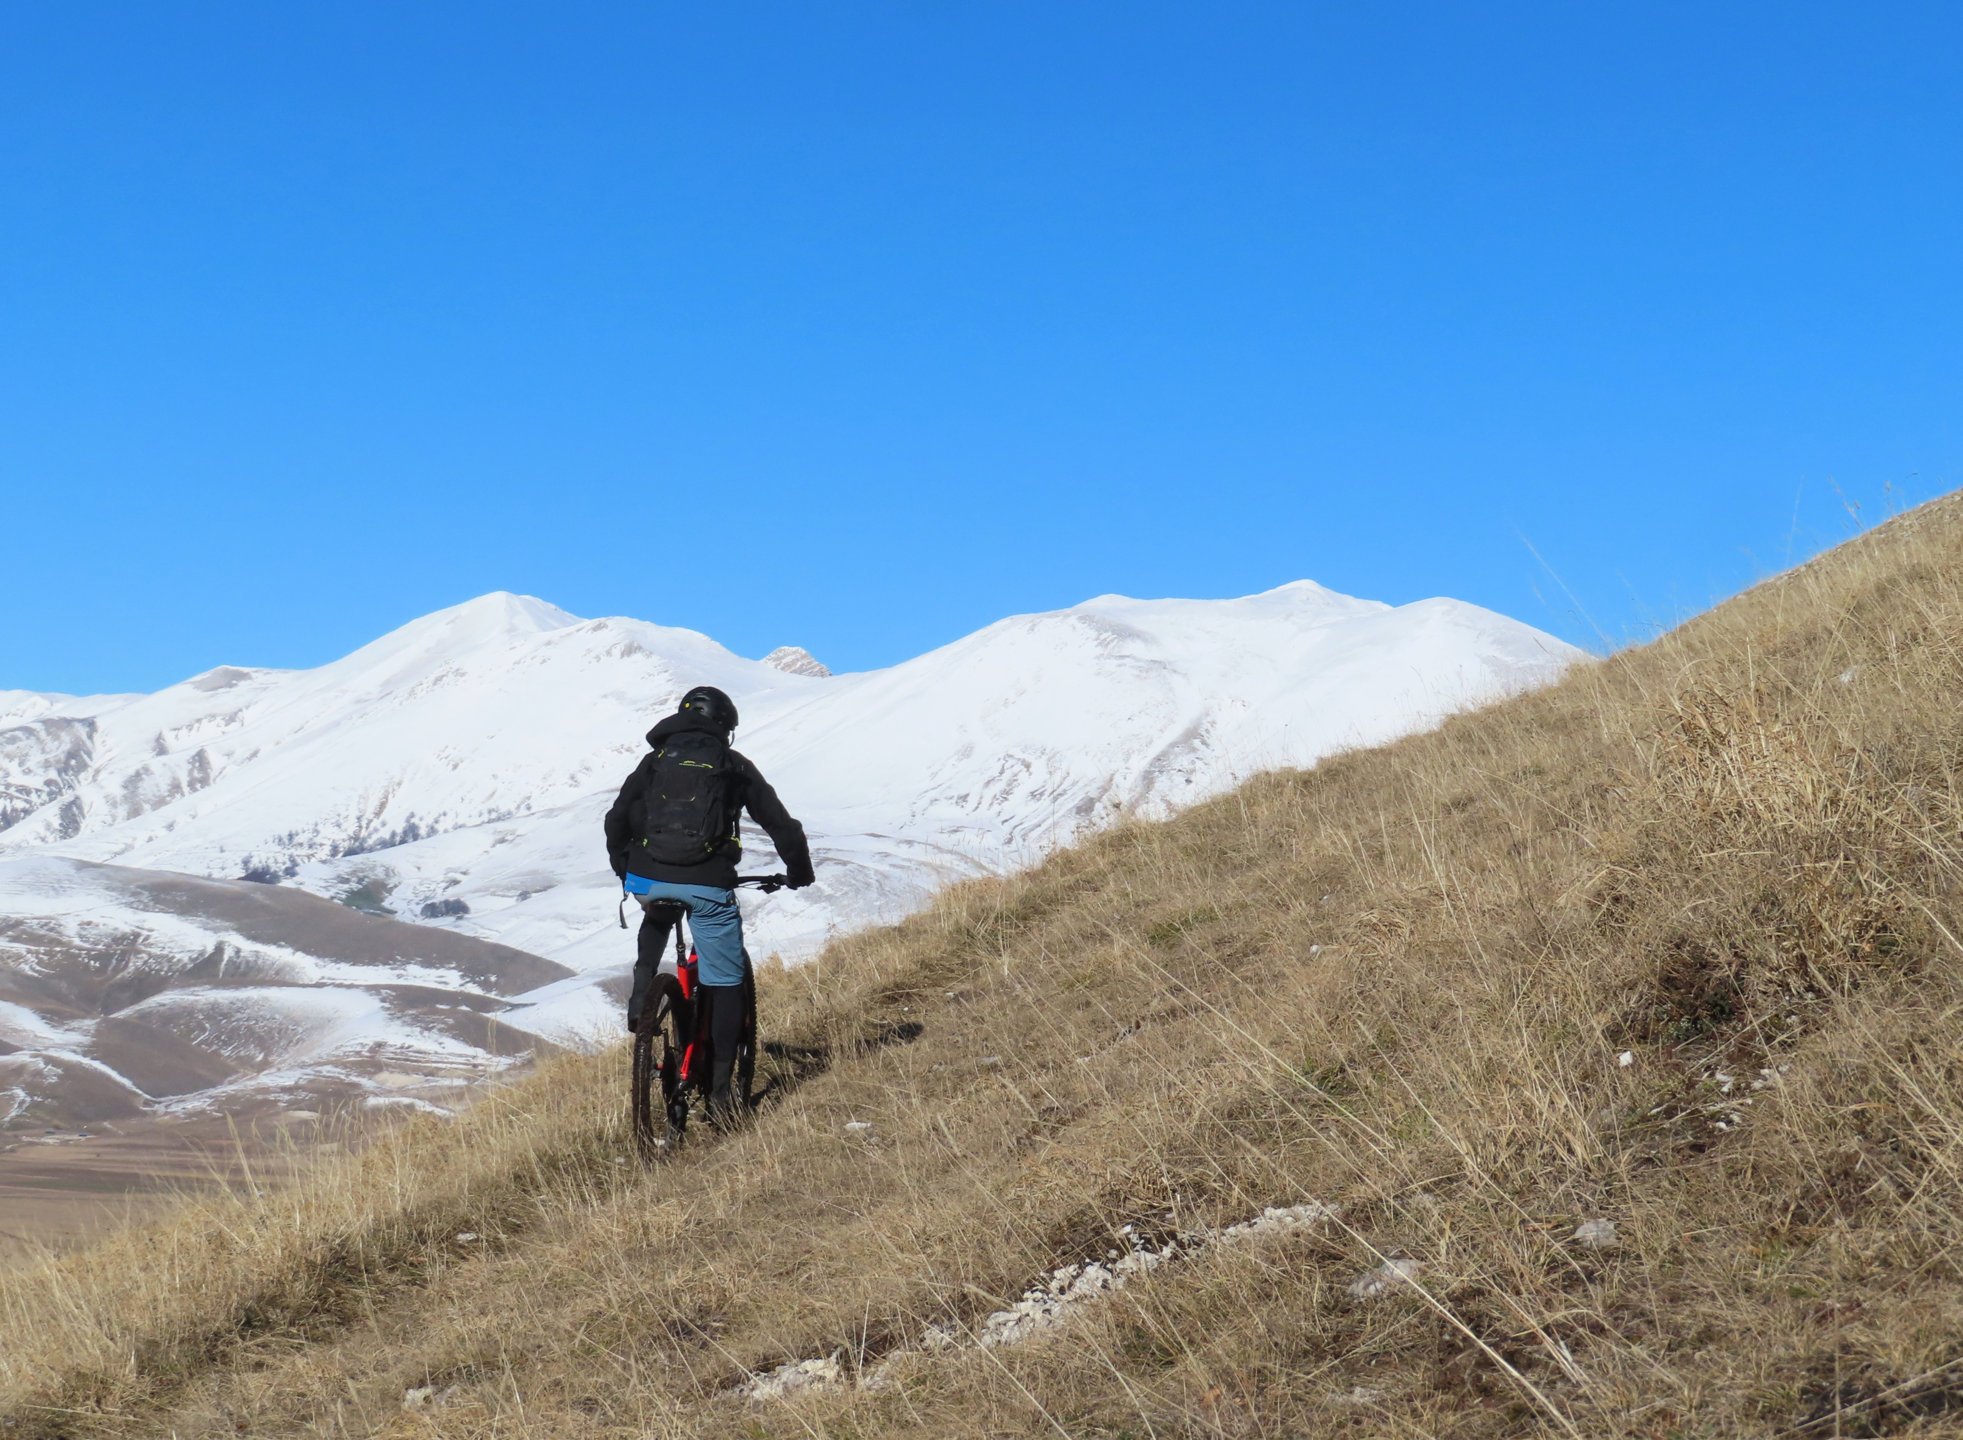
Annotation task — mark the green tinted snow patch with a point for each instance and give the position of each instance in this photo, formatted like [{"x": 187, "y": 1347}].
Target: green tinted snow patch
[{"x": 370, "y": 897}]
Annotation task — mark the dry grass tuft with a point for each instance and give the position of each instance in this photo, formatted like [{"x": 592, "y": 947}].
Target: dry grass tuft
[{"x": 1403, "y": 983}]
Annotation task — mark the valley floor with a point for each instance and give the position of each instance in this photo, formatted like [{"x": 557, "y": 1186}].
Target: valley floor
[
  {"x": 70, "y": 1188},
  {"x": 1591, "y": 1066}
]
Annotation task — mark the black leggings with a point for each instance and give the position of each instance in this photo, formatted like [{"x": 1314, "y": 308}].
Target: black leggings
[
  {"x": 725, "y": 1022},
  {"x": 651, "y": 944}
]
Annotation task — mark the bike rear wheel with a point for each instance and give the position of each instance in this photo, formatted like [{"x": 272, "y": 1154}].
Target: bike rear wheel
[
  {"x": 746, "y": 1042},
  {"x": 660, "y": 1104}
]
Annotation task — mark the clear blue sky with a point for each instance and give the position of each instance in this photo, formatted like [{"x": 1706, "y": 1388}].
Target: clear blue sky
[{"x": 860, "y": 325}]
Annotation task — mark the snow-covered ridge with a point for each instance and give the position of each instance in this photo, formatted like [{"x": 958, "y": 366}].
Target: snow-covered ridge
[{"x": 454, "y": 771}]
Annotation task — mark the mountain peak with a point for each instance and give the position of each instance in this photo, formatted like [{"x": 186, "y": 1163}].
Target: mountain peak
[
  {"x": 509, "y": 611},
  {"x": 500, "y": 615}
]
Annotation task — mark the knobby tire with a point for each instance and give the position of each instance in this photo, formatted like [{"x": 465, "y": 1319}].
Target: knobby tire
[{"x": 746, "y": 1044}]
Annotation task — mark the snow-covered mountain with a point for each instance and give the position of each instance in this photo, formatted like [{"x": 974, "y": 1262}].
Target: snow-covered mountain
[{"x": 454, "y": 772}]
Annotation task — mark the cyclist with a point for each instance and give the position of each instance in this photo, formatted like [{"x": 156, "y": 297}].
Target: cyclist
[{"x": 672, "y": 837}]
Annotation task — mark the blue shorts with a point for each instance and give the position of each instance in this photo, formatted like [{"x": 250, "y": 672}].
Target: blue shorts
[{"x": 714, "y": 922}]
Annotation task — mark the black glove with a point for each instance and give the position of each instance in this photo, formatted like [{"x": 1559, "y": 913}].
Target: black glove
[{"x": 798, "y": 879}]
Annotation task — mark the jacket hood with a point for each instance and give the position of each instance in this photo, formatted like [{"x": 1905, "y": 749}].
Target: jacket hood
[{"x": 676, "y": 724}]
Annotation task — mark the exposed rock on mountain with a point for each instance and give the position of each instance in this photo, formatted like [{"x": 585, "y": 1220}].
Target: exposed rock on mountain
[{"x": 795, "y": 660}]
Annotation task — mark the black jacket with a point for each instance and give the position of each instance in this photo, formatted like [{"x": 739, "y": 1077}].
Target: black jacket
[{"x": 748, "y": 791}]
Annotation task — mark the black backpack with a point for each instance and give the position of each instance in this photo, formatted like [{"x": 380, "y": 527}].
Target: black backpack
[{"x": 685, "y": 815}]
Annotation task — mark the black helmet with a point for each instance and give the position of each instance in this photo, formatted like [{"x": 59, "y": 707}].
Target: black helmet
[{"x": 706, "y": 702}]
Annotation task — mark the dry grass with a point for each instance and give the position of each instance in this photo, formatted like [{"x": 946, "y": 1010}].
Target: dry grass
[{"x": 1400, "y": 982}]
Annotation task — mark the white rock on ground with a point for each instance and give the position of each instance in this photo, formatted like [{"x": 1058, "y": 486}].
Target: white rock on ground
[
  {"x": 1272, "y": 1221},
  {"x": 1596, "y": 1234},
  {"x": 1045, "y": 1306},
  {"x": 793, "y": 1377},
  {"x": 1387, "y": 1276}
]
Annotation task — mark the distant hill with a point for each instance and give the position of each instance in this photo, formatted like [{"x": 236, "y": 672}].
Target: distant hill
[{"x": 122, "y": 988}]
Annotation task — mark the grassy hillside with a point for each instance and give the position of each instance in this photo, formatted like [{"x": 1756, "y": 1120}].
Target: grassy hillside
[{"x": 1676, "y": 945}]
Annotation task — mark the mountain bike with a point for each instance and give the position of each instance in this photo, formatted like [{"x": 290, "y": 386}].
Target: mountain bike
[{"x": 672, "y": 1044}]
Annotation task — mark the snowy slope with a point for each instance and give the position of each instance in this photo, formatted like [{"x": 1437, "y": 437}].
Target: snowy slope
[
  {"x": 122, "y": 991},
  {"x": 463, "y": 762}
]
